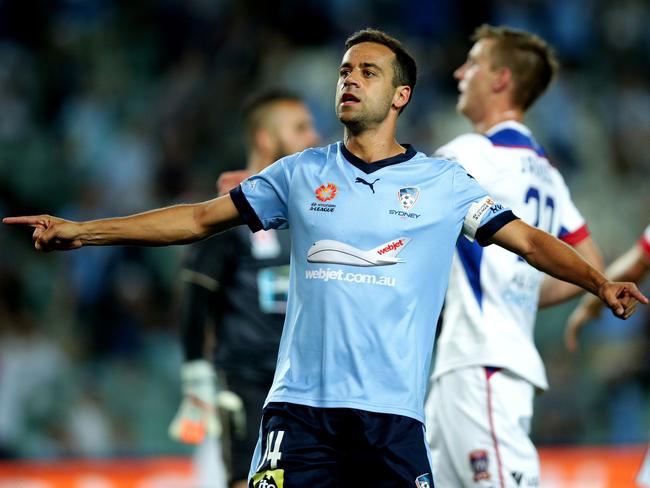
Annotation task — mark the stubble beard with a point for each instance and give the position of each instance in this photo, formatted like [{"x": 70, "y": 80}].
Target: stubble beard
[{"x": 366, "y": 119}]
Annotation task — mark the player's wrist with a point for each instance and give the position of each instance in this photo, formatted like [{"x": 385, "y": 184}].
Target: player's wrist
[
  {"x": 81, "y": 232},
  {"x": 600, "y": 285},
  {"x": 91, "y": 233}
]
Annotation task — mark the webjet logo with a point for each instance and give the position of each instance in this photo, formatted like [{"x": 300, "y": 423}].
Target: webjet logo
[
  {"x": 335, "y": 252},
  {"x": 393, "y": 246}
]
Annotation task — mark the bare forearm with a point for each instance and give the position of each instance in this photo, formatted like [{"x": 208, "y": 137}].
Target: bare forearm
[
  {"x": 631, "y": 266},
  {"x": 172, "y": 225},
  {"x": 179, "y": 224},
  {"x": 559, "y": 260},
  {"x": 554, "y": 291},
  {"x": 548, "y": 254}
]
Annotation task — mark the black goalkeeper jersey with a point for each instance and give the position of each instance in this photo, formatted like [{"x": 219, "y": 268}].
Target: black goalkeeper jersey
[{"x": 247, "y": 276}]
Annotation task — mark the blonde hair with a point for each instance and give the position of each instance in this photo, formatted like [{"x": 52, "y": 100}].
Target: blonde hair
[{"x": 530, "y": 59}]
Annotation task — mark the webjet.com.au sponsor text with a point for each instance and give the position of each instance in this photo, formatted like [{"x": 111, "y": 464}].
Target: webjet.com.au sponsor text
[{"x": 329, "y": 274}]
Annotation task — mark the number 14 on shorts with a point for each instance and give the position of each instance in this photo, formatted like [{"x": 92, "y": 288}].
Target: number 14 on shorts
[
  {"x": 272, "y": 453},
  {"x": 271, "y": 477}
]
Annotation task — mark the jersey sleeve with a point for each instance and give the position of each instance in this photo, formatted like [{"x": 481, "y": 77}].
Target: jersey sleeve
[
  {"x": 572, "y": 225},
  {"x": 644, "y": 243},
  {"x": 262, "y": 199},
  {"x": 482, "y": 215},
  {"x": 468, "y": 150}
]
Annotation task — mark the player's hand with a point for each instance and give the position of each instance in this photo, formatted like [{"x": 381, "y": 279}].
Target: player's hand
[
  {"x": 50, "y": 233},
  {"x": 197, "y": 417},
  {"x": 588, "y": 309},
  {"x": 230, "y": 179},
  {"x": 621, "y": 298}
]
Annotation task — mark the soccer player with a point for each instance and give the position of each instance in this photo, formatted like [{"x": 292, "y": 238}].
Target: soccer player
[
  {"x": 369, "y": 270},
  {"x": 238, "y": 282},
  {"x": 487, "y": 367}
]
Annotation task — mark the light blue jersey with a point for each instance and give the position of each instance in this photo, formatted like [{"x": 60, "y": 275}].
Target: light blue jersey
[{"x": 372, "y": 246}]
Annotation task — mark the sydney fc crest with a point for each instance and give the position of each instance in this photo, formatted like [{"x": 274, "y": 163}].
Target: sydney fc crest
[{"x": 407, "y": 197}]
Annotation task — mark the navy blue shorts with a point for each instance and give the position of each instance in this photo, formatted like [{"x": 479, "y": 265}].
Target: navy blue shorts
[{"x": 339, "y": 447}]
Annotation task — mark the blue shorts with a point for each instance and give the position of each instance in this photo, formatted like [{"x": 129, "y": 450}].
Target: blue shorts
[{"x": 301, "y": 446}]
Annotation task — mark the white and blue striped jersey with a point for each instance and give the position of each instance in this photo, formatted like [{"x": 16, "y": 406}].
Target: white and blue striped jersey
[
  {"x": 372, "y": 246},
  {"x": 493, "y": 294}
]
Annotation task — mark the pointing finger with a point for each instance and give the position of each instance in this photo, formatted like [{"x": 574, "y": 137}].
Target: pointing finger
[
  {"x": 33, "y": 220},
  {"x": 634, "y": 292}
]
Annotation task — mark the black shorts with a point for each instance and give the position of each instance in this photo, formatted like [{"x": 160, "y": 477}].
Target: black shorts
[{"x": 302, "y": 446}]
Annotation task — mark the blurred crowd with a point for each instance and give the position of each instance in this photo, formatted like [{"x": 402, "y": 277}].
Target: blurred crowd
[{"x": 110, "y": 107}]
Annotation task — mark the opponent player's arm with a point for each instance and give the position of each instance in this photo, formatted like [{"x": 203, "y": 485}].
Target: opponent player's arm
[
  {"x": 201, "y": 275},
  {"x": 554, "y": 291},
  {"x": 631, "y": 266},
  {"x": 179, "y": 224},
  {"x": 197, "y": 304},
  {"x": 196, "y": 416},
  {"x": 548, "y": 254}
]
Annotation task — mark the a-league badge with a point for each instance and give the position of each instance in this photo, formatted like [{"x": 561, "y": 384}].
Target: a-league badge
[
  {"x": 407, "y": 197},
  {"x": 478, "y": 460}
]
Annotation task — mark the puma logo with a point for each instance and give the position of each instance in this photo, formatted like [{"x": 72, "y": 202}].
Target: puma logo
[{"x": 371, "y": 185}]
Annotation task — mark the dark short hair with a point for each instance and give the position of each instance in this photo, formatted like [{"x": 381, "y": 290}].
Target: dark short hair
[
  {"x": 530, "y": 59},
  {"x": 255, "y": 107},
  {"x": 405, "y": 70}
]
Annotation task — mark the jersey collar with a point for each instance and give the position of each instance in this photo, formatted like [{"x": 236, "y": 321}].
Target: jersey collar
[
  {"x": 508, "y": 124},
  {"x": 371, "y": 167},
  {"x": 513, "y": 134}
]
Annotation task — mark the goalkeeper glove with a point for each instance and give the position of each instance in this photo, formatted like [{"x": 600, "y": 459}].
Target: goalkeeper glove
[
  {"x": 197, "y": 417},
  {"x": 231, "y": 407}
]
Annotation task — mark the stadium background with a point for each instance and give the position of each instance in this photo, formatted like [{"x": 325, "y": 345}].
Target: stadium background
[{"x": 113, "y": 107}]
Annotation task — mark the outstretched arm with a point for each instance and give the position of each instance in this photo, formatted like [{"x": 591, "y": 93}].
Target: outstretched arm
[
  {"x": 554, "y": 291},
  {"x": 548, "y": 254},
  {"x": 179, "y": 224},
  {"x": 631, "y": 266}
]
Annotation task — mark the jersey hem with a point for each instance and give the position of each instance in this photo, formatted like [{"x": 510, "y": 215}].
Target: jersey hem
[
  {"x": 542, "y": 385},
  {"x": 369, "y": 407}
]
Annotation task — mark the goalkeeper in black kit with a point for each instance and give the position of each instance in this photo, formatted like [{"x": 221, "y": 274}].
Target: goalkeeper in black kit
[{"x": 237, "y": 282}]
